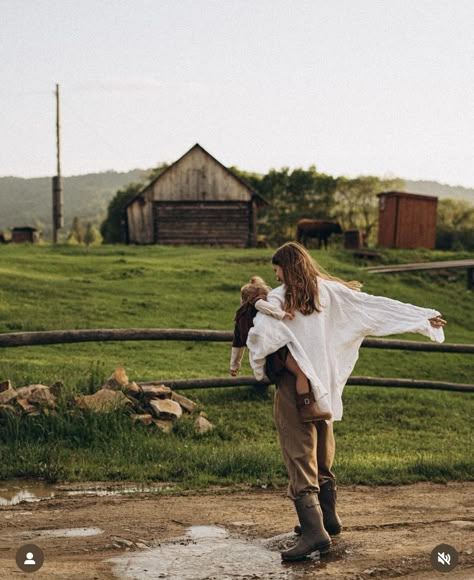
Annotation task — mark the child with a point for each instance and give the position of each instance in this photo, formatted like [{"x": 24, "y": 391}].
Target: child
[{"x": 252, "y": 299}]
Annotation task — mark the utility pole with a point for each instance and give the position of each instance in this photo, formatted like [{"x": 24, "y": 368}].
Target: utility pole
[{"x": 58, "y": 219}]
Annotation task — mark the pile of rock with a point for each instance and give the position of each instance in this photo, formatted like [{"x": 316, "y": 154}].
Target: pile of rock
[
  {"x": 148, "y": 404},
  {"x": 30, "y": 400}
]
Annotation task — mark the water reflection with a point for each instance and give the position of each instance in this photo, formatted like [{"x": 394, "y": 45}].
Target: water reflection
[{"x": 13, "y": 492}]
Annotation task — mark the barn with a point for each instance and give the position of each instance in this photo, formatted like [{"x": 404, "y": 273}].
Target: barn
[
  {"x": 25, "y": 234},
  {"x": 196, "y": 200},
  {"x": 407, "y": 220}
]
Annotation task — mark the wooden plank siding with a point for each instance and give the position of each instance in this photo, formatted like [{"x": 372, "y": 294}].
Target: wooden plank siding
[
  {"x": 140, "y": 222},
  {"x": 387, "y": 221},
  {"x": 416, "y": 223},
  {"x": 198, "y": 177},
  {"x": 196, "y": 200},
  {"x": 214, "y": 223},
  {"x": 407, "y": 220}
]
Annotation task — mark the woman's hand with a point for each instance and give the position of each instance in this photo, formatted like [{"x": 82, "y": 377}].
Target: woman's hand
[
  {"x": 289, "y": 315},
  {"x": 437, "y": 321}
]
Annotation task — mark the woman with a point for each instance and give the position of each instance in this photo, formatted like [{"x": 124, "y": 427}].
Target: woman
[{"x": 331, "y": 319}]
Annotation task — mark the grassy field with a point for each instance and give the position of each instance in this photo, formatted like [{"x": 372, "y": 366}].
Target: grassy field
[{"x": 386, "y": 436}]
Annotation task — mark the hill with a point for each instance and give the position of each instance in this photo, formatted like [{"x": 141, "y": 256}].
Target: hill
[
  {"x": 441, "y": 190},
  {"x": 28, "y": 201}
]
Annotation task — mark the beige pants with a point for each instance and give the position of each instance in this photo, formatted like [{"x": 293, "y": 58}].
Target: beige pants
[{"x": 308, "y": 448}]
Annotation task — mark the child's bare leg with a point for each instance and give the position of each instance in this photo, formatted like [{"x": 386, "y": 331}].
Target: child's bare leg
[
  {"x": 302, "y": 383},
  {"x": 306, "y": 403}
]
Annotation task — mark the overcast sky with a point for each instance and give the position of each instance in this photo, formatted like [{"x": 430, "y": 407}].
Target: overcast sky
[{"x": 382, "y": 87}]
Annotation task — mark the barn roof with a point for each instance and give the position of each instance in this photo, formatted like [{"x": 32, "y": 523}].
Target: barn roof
[{"x": 260, "y": 199}]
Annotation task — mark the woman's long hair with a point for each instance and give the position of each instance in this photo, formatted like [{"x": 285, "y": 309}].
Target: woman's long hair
[{"x": 301, "y": 273}]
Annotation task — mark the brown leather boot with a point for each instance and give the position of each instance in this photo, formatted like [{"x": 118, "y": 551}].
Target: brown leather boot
[
  {"x": 327, "y": 501},
  {"x": 313, "y": 537},
  {"x": 308, "y": 410}
]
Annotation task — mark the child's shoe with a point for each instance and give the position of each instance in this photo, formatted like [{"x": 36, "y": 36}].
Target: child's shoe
[{"x": 308, "y": 410}]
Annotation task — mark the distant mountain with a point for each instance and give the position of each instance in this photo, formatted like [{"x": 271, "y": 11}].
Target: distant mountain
[
  {"x": 440, "y": 190},
  {"x": 28, "y": 201}
]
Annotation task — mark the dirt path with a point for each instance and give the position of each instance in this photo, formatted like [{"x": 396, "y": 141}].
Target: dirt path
[{"x": 388, "y": 531}]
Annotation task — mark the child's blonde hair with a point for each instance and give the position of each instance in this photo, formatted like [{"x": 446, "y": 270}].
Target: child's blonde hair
[{"x": 255, "y": 286}]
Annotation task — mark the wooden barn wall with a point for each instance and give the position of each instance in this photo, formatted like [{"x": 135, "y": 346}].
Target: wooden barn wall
[
  {"x": 140, "y": 222},
  {"x": 215, "y": 223},
  {"x": 197, "y": 177},
  {"x": 387, "y": 218},
  {"x": 416, "y": 223}
]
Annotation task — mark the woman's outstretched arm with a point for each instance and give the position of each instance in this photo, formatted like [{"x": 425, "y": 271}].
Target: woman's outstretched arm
[{"x": 382, "y": 316}]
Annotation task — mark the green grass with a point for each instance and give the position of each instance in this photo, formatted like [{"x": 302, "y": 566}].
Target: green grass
[{"x": 386, "y": 436}]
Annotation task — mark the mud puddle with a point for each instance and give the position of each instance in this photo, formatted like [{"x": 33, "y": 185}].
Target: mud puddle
[
  {"x": 13, "y": 492},
  {"x": 62, "y": 533},
  {"x": 211, "y": 552}
]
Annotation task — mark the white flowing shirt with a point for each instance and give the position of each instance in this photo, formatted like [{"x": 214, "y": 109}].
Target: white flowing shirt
[{"x": 326, "y": 344}]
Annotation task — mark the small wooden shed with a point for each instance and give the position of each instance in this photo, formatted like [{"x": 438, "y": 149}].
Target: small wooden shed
[
  {"x": 407, "y": 220},
  {"x": 196, "y": 200},
  {"x": 26, "y": 234}
]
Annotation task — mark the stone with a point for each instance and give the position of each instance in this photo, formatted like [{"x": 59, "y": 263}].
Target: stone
[
  {"x": 156, "y": 391},
  {"x": 25, "y": 406},
  {"x": 145, "y": 419},
  {"x": 5, "y": 386},
  {"x": 165, "y": 426},
  {"x": 43, "y": 398},
  {"x": 202, "y": 425},
  {"x": 122, "y": 541},
  {"x": 8, "y": 395},
  {"x": 186, "y": 403},
  {"x": 26, "y": 392},
  {"x": 466, "y": 524},
  {"x": 132, "y": 389},
  {"x": 117, "y": 380},
  {"x": 103, "y": 401},
  {"x": 166, "y": 408},
  {"x": 145, "y": 543}
]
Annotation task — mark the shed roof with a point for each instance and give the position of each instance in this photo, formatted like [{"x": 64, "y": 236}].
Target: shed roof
[
  {"x": 406, "y": 194},
  {"x": 255, "y": 194},
  {"x": 25, "y": 228}
]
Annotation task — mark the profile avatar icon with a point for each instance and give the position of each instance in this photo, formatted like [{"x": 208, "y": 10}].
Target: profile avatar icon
[{"x": 29, "y": 560}]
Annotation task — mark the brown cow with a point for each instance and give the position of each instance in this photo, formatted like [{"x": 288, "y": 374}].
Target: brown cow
[{"x": 320, "y": 229}]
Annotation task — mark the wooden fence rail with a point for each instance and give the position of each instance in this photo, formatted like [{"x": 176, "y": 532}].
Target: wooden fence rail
[
  {"x": 17, "y": 339},
  {"x": 362, "y": 381},
  {"x": 451, "y": 264},
  {"x": 14, "y": 339}
]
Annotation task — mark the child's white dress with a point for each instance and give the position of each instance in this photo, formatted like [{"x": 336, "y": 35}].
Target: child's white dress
[{"x": 326, "y": 344}]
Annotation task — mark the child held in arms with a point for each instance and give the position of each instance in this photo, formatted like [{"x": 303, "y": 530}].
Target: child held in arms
[{"x": 252, "y": 300}]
